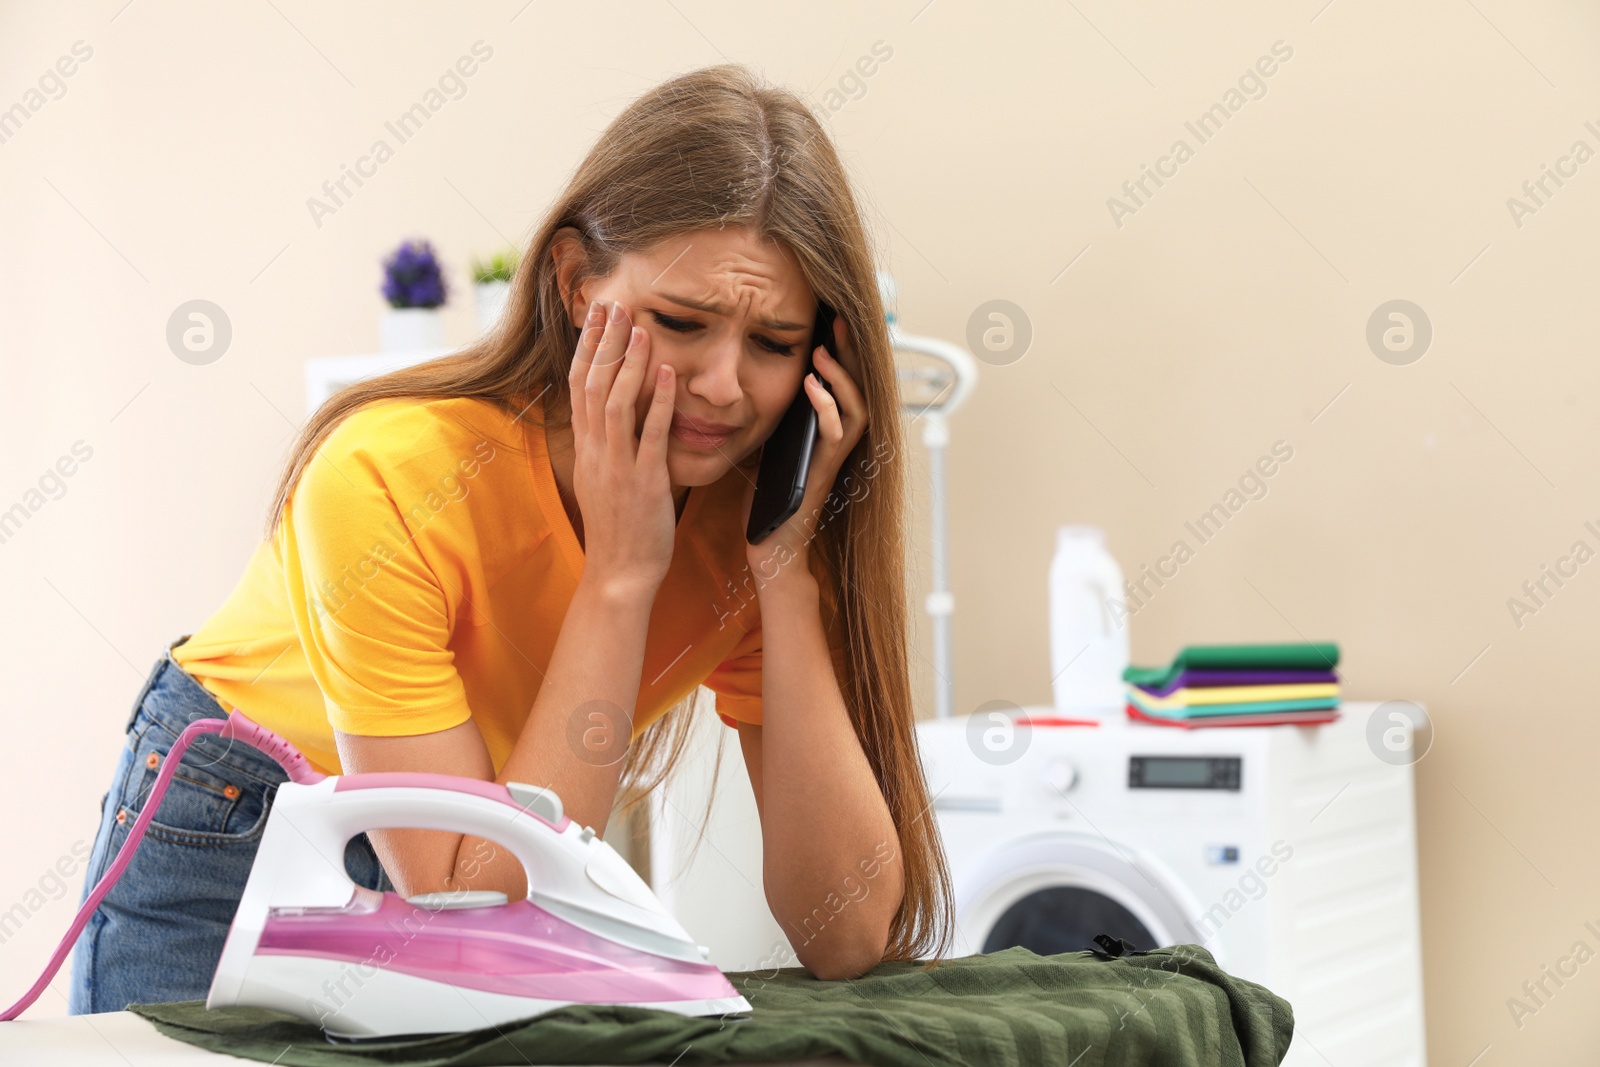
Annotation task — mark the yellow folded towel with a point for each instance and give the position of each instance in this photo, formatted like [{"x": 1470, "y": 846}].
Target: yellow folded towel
[{"x": 1193, "y": 696}]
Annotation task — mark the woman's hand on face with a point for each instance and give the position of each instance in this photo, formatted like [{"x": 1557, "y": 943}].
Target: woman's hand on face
[
  {"x": 841, "y": 420},
  {"x": 623, "y": 491}
]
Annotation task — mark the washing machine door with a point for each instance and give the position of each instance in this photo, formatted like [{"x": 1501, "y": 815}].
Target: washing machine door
[{"x": 1053, "y": 893}]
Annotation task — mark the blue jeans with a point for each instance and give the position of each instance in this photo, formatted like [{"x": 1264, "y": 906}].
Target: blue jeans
[{"x": 158, "y": 934}]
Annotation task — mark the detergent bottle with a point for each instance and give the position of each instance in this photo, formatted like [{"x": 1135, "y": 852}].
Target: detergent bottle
[{"x": 1088, "y": 642}]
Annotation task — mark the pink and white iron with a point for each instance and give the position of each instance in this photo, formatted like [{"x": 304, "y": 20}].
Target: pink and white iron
[{"x": 308, "y": 941}]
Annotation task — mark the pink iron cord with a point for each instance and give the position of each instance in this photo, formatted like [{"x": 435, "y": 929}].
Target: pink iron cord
[{"x": 236, "y": 726}]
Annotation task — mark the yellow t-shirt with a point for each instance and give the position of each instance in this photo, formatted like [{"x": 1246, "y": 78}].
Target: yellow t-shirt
[{"x": 419, "y": 577}]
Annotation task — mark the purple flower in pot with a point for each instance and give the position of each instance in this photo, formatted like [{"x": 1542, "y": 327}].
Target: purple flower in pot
[{"x": 411, "y": 277}]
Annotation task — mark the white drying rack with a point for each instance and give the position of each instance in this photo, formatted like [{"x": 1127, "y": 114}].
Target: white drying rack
[{"x": 948, "y": 381}]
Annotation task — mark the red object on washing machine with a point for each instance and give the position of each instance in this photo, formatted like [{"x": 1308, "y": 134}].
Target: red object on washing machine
[{"x": 1054, "y": 720}]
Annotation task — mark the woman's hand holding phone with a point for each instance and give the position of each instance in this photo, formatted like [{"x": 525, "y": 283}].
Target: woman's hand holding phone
[
  {"x": 621, "y": 482},
  {"x": 841, "y": 422}
]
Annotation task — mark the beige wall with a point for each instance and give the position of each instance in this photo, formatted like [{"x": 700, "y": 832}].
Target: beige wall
[{"x": 1226, "y": 313}]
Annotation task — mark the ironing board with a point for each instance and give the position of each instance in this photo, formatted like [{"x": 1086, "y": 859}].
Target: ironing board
[
  {"x": 120, "y": 1038},
  {"x": 1170, "y": 1007}
]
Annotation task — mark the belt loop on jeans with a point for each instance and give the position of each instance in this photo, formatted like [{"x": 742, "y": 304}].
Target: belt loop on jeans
[
  {"x": 150, "y": 680},
  {"x": 168, "y": 653}
]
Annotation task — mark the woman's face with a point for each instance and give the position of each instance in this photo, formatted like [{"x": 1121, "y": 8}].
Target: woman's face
[{"x": 732, "y": 316}]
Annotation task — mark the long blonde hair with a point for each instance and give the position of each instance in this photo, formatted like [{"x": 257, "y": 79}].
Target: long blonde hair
[{"x": 718, "y": 147}]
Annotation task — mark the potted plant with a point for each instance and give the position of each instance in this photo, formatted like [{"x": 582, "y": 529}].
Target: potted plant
[
  {"x": 414, "y": 287},
  {"x": 491, "y": 283}
]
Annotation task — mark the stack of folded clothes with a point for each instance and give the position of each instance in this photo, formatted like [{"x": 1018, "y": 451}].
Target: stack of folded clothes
[{"x": 1238, "y": 685}]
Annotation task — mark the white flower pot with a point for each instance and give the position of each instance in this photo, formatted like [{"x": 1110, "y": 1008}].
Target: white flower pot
[
  {"x": 490, "y": 300},
  {"x": 410, "y": 329}
]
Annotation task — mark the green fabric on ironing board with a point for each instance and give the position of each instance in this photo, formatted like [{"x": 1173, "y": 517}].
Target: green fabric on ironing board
[
  {"x": 1302, "y": 656},
  {"x": 1172, "y": 1007}
]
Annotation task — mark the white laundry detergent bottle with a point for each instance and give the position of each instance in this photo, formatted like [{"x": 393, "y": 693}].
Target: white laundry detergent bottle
[{"x": 1088, "y": 643}]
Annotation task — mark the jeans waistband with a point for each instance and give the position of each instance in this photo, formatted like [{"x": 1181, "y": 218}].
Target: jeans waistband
[{"x": 173, "y": 699}]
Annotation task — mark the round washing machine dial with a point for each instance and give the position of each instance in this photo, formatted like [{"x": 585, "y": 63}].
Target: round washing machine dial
[{"x": 1060, "y": 776}]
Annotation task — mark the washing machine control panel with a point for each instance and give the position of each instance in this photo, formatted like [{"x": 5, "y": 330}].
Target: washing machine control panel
[
  {"x": 1060, "y": 776},
  {"x": 1185, "y": 772}
]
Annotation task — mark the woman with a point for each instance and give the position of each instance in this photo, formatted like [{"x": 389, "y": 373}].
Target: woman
[{"x": 518, "y": 563}]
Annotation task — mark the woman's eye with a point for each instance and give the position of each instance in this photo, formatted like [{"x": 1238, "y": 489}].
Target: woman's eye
[
  {"x": 684, "y": 326},
  {"x": 677, "y": 325}
]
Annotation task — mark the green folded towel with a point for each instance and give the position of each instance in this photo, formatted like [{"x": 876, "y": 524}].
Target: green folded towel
[
  {"x": 1171, "y": 1007},
  {"x": 1301, "y": 656}
]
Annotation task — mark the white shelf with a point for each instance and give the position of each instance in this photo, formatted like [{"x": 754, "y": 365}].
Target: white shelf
[{"x": 326, "y": 375}]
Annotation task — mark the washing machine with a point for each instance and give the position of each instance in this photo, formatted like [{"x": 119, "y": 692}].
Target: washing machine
[{"x": 1288, "y": 852}]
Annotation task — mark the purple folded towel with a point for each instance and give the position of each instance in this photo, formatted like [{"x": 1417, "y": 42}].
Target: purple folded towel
[{"x": 1199, "y": 679}]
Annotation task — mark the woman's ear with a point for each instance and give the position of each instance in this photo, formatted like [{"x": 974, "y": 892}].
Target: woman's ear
[{"x": 566, "y": 249}]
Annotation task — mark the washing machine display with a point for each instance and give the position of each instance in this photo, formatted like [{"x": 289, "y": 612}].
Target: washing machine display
[{"x": 1184, "y": 772}]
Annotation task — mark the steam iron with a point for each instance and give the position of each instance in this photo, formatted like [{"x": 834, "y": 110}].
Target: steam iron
[{"x": 308, "y": 941}]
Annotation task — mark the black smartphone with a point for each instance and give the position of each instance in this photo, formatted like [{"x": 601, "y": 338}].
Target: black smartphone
[{"x": 786, "y": 456}]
